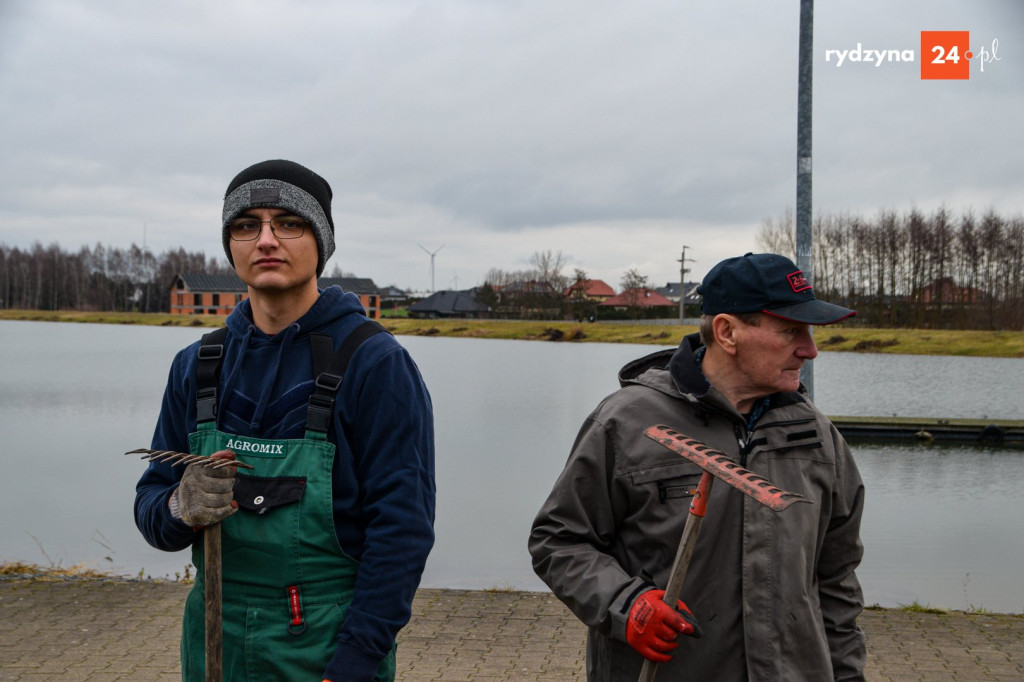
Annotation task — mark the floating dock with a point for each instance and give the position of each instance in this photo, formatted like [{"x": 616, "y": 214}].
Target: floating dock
[{"x": 994, "y": 432}]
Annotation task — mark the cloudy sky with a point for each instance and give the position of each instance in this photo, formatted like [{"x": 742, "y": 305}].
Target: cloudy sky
[{"x": 613, "y": 132}]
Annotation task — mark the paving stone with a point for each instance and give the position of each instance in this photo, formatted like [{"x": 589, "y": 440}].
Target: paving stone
[{"x": 106, "y": 630}]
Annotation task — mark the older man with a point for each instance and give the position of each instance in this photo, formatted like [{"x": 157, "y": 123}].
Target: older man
[{"x": 776, "y": 594}]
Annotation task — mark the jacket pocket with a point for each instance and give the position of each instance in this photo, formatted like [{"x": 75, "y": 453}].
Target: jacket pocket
[
  {"x": 672, "y": 481},
  {"x": 259, "y": 495},
  {"x": 790, "y": 440}
]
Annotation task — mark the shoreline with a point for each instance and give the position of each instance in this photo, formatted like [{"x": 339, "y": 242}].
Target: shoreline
[{"x": 833, "y": 338}]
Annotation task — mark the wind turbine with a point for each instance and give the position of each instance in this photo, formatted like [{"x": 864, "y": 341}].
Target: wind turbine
[{"x": 431, "y": 263}]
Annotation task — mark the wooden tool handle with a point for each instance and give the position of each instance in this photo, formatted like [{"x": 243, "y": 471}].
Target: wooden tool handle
[
  {"x": 214, "y": 614},
  {"x": 687, "y": 543}
]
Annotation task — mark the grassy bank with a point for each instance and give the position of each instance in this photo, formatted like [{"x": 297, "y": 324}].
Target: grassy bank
[
  {"x": 833, "y": 338},
  {"x": 14, "y": 570}
]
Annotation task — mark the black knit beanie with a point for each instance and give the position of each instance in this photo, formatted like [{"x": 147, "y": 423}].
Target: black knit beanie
[{"x": 287, "y": 185}]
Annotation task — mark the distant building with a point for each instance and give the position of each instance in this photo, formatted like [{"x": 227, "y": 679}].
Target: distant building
[
  {"x": 449, "y": 304},
  {"x": 590, "y": 289},
  {"x": 202, "y": 294},
  {"x": 527, "y": 300},
  {"x": 363, "y": 287},
  {"x": 946, "y": 291},
  {"x": 392, "y": 298},
  {"x": 523, "y": 288},
  {"x": 673, "y": 290},
  {"x": 638, "y": 298}
]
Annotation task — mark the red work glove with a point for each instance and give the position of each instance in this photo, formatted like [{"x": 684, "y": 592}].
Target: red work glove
[{"x": 653, "y": 626}]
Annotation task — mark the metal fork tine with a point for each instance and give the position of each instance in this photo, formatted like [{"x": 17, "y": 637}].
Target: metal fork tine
[
  {"x": 165, "y": 456},
  {"x": 175, "y": 458}
]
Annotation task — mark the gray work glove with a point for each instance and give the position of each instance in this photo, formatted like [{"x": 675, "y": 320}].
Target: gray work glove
[{"x": 204, "y": 496}]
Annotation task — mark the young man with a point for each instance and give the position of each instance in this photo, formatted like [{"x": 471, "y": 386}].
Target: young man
[
  {"x": 325, "y": 540},
  {"x": 775, "y": 593}
]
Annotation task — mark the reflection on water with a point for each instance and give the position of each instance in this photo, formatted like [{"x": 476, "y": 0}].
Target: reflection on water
[{"x": 939, "y": 527}]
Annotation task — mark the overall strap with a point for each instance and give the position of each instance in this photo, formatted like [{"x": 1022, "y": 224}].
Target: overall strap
[
  {"x": 322, "y": 348},
  {"x": 321, "y": 403},
  {"x": 211, "y": 353}
]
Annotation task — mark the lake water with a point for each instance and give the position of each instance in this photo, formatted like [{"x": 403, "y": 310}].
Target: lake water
[{"x": 941, "y": 527}]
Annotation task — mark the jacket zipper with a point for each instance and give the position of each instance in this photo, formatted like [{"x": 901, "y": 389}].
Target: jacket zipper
[{"x": 742, "y": 443}]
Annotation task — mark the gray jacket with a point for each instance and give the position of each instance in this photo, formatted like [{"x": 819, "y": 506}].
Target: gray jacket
[{"x": 774, "y": 592}]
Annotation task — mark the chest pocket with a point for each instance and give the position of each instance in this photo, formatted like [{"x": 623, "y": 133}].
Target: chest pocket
[
  {"x": 670, "y": 481},
  {"x": 260, "y": 495},
  {"x": 789, "y": 440}
]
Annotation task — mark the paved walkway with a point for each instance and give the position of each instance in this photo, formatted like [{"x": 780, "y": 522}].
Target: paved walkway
[{"x": 103, "y": 630}]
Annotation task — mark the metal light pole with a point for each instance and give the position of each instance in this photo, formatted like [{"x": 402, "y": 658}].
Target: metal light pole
[{"x": 804, "y": 238}]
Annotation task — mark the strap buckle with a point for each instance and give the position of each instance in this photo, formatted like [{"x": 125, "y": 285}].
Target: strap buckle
[
  {"x": 318, "y": 415},
  {"x": 211, "y": 352},
  {"x": 329, "y": 382},
  {"x": 206, "y": 404}
]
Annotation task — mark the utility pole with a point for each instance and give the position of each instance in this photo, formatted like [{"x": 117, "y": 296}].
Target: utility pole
[
  {"x": 804, "y": 237},
  {"x": 683, "y": 260}
]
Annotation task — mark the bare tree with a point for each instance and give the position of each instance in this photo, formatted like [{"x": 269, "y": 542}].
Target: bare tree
[
  {"x": 778, "y": 235},
  {"x": 633, "y": 286},
  {"x": 548, "y": 267}
]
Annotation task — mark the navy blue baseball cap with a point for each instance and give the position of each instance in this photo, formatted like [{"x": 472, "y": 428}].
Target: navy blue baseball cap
[{"x": 765, "y": 283}]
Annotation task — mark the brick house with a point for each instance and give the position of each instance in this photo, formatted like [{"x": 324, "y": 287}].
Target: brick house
[
  {"x": 945, "y": 290},
  {"x": 202, "y": 294}
]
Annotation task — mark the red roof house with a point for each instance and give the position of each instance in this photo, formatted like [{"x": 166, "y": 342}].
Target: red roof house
[
  {"x": 638, "y": 298},
  {"x": 590, "y": 289}
]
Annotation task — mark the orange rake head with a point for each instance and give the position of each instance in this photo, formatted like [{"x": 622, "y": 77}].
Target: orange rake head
[{"x": 721, "y": 467}]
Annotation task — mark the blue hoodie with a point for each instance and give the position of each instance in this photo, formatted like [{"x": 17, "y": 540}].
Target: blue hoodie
[{"x": 383, "y": 477}]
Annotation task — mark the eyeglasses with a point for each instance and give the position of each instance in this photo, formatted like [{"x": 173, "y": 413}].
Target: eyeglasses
[{"x": 283, "y": 227}]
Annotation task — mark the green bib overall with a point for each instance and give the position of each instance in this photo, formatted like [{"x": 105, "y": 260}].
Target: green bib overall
[{"x": 286, "y": 580}]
